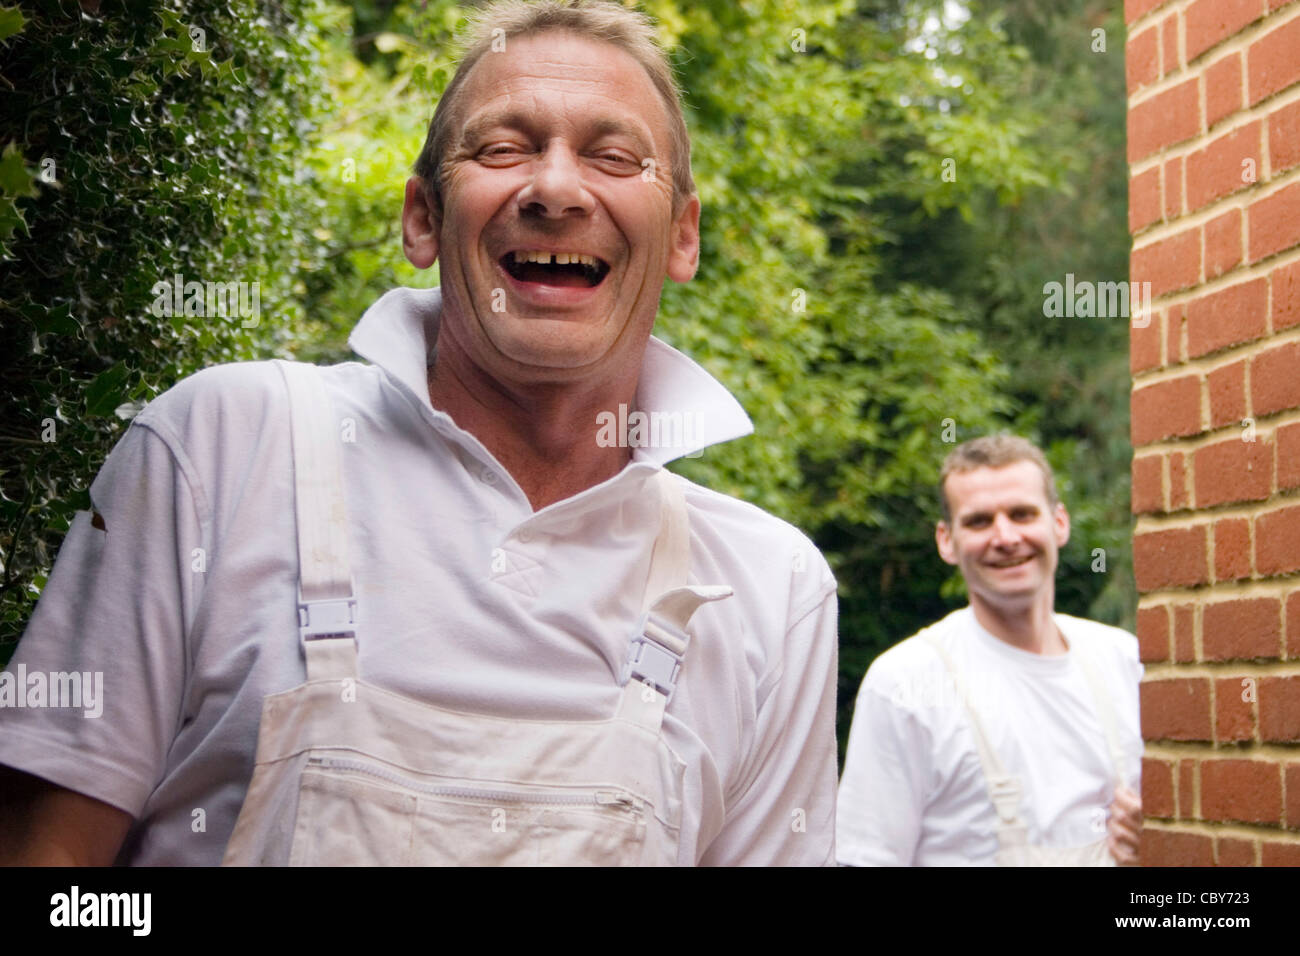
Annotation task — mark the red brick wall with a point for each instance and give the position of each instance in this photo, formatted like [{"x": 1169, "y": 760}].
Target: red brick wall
[{"x": 1214, "y": 154}]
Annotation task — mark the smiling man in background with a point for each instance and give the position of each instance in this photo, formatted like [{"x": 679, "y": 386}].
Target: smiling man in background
[
  {"x": 460, "y": 628},
  {"x": 1006, "y": 733}
]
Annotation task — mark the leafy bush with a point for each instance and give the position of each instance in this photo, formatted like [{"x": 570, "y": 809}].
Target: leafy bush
[{"x": 143, "y": 140}]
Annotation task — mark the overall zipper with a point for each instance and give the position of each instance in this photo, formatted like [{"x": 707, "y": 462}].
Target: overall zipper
[{"x": 602, "y": 798}]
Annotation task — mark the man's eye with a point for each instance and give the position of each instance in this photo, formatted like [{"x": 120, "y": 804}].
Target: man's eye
[{"x": 618, "y": 158}]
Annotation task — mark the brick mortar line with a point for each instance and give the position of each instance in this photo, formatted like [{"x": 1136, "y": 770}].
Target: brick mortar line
[
  {"x": 1181, "y": 521},
  {"x": 1248, "y": 383},
  {"x": 1212, "y": 829},
  {"x": 1147, "y": 522},
  {"x": 1238, "y": 42},
  {"x": 1223, "y": 126},
  {"x": 1184, "y": 749},
  {"x": 1215, "y": 360},
  {"x": 1247, "y": 196},
  {"x": 1218, "y": 592},
  {"x": 1218, "y": 670},
  {"x": 1245, "y": 589},
  {"x": 1194, "y": 443},
  {"x": 1209, "y": 594}
]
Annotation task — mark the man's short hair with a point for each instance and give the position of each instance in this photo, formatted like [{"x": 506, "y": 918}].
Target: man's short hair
[
  {"x": 600, "y": 20},
  {"x": 994, "y": 451}
]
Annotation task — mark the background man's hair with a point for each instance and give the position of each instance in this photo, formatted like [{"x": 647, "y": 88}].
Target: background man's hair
[
  {"x": 601, "y": 20},
  {"x": 994, "y": 451}
]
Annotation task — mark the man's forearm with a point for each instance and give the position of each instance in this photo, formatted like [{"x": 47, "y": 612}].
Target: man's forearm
[{"x": 43, "y": 824}]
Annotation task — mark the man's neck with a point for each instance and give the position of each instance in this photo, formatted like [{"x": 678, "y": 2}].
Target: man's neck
[
  {"x": 1031, "y": 627},
  {"x": 544, "y": 437}
]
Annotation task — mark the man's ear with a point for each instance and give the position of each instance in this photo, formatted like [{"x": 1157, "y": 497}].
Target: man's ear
[
  {"x": 943, "y": 538},
  {"x": 421, "y": 224},
  {"x": 1061, "y": 525},
  {"x": 684, "y": 254}
]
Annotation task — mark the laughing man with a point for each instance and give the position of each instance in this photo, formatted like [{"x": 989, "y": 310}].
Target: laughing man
[{"x": 438, "y": 620}]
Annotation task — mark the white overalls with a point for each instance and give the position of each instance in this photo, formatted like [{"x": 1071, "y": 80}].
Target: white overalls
[
  {"x": 1007, "y": 791},
  {"x": 347, "y": 772}
]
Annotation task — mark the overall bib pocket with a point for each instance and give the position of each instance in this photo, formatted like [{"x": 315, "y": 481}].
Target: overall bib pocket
[{"x": 364, "y": 812}]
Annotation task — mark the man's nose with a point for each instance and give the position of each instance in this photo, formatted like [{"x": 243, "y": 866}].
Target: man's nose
[
  {"x": 556, "y": 189},
  {"x": 1005, "y": 530}
]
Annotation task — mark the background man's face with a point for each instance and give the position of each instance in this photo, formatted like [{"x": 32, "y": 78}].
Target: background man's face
[
  {"x": 1004, "y": 536},
  {"x": 562, "y": 146}
]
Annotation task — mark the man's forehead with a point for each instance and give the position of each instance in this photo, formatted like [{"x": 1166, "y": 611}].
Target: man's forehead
[
  {"x": 989, "y": 487},
  {"x": 558, "y": 62}
]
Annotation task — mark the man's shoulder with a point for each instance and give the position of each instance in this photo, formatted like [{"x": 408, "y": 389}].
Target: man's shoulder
[
  {"x": 738, "y": 525},
  {"x": 235, "y": 397},
  {"x": 1097, "y": 634},
  {"x": 917, "y": 655}
]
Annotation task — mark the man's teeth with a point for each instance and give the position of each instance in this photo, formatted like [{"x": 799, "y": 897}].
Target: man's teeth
[
  {"x": 556, "y": 258},
  {"x": 1011, "y": 563}
]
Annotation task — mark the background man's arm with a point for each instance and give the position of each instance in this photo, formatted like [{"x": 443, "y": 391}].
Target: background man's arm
[
  {"x": 882, "y": 791},
  {"x": 43, "y": 824}
]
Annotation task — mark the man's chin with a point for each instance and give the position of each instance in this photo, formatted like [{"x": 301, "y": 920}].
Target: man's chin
[
  {"x": 550, "y": 354},
  {"x": 1011, "y": 596}
]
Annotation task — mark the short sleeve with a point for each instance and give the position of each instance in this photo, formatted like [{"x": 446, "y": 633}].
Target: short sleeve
[
  {"x": 785, "y": 813},
  {"x": 882, "y": 793},
  {"x": 99, "y": 674}
]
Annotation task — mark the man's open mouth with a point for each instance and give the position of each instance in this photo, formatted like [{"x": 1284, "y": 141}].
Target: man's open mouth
[
  {"x": 1010, "y": 562},
  {"x": 555, "y": 268}
]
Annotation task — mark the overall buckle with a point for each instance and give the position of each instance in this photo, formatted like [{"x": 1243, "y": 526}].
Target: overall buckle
[
  {"x": 330, "y": 617},
  {"x": 650, "y": 661}
]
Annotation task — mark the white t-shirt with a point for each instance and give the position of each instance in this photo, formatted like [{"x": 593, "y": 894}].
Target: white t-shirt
[
  {"x": 913, "y": 792},
  {"x": 469, "y": 600}
]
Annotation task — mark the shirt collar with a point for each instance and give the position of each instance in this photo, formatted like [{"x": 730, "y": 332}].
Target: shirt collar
[{"x": 398, "y": 334}]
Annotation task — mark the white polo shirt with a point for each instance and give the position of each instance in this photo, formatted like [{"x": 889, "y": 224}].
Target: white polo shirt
[
  {"x": 470, "y": 600},
  {"x": 914, "y": 791}
]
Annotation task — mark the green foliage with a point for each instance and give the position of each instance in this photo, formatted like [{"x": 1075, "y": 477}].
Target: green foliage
[
  {"x": 1068, "y": 376},
  {"x": 362, "y": 159},
  {"x": 146, "y": 140}
]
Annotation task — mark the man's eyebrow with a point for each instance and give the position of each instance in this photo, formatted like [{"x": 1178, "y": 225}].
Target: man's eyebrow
[
  {"x": 517, "y": 119},
  {"x": 479, "y": 125},
  {"x": 609, "y": 126}
]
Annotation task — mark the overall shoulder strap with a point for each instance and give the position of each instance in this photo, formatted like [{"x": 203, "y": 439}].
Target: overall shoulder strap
[
  {"x": 327, "y": 609},
  {"x": 659, "y": 643},
  {"x": 1004, "y": 789}
]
